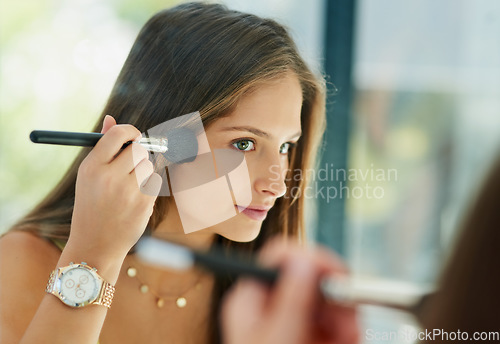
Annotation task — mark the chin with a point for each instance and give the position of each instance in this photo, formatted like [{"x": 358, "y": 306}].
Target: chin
[
  {"x": 241, "y": 237},
  {"x": 241, "y": 232}
]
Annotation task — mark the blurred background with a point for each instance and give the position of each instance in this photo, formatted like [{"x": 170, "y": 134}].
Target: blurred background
[{"x": 413, "y": 115}]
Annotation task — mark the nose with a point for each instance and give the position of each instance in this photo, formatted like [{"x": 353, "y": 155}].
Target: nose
[{"x": 270, "y": 175}]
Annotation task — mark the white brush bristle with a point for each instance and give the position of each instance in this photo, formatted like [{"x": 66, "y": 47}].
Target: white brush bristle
[{"x": 164, "y": 254}]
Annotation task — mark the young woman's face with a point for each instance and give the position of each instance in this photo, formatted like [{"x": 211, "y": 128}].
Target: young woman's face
[{"x": 265, "y": 125}]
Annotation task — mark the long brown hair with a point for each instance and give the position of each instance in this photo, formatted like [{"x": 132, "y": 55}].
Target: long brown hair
[
  {"x": 468, "y": 298},
  {"x": 201, "y": 57}
]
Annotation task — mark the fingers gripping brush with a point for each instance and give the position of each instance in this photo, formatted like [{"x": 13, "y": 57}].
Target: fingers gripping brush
[{"x": 179, "y": 145}]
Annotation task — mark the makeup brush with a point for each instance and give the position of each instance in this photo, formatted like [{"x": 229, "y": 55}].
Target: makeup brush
[
  {"x": 179, "y": 145},
  {"x": 342, "y": 290}
]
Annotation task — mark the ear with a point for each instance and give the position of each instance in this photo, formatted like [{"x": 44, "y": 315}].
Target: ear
[{"x": 107, "y": 124}]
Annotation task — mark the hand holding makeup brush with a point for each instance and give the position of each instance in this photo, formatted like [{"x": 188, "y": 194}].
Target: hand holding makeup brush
[
  {"x": 111, "y": 206},
  {"x": 293, "y": 310}
]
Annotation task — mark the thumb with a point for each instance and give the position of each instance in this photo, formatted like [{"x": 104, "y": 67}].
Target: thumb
[{"x": 107, "y": 124}]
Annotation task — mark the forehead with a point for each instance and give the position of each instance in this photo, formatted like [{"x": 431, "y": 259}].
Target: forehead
[{"x": 273, "y": 106}]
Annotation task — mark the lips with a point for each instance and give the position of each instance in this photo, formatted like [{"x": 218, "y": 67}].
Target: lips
[{"x": 256, "y": 213}]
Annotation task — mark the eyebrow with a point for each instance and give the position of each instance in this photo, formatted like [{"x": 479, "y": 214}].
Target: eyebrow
[{"x": 256, "y": 131}]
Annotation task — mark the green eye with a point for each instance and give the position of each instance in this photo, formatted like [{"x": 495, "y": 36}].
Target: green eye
[
  {"x": 244, "y": 145},
  {"x": 285, "y": 147}
]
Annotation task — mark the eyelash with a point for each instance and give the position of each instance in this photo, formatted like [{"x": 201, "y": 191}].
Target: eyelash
[{"x": 291, "y": 145}]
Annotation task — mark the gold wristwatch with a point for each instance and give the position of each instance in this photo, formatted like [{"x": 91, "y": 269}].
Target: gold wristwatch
[{"x": 79, "y": 285}]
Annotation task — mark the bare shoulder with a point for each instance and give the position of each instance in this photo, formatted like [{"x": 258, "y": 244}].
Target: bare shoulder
[
  {"x": 26, "y": 261},
  {"x": 25, "y": 258},
  {"x": 26, "y": 250}
]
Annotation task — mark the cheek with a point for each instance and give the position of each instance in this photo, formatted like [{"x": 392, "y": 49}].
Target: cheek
[
  {"x": 253, "y": 165},
  {"x": 285, "y": 162},
  {"x": 275, "y": 172},
  {"x": 284, "y": 166}
]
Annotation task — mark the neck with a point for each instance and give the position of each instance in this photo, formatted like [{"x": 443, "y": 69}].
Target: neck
[
  {"x": 196, "y": 240},
  {"x": 170, "y": 229}
]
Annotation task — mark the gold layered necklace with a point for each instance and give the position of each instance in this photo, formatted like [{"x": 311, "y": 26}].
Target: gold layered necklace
[{"x": 180, "y": 299}]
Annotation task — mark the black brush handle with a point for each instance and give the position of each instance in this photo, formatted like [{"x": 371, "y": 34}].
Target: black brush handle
[
  {"x": 233, "y": 266},
  {"x": 67, "y": 138}
]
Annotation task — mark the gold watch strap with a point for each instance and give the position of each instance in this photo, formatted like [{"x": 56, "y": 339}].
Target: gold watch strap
[
  {"x": 105, "y": 297},
  {"x": 50, "y": 284}
]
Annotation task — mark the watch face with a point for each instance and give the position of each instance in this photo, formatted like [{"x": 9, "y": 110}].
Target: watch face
[{"x": 78, "y": 286}]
